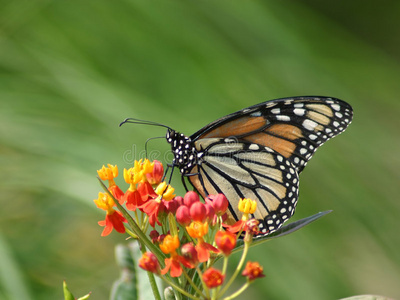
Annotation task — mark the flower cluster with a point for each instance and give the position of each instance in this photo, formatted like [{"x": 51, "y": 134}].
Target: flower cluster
[{"x": 188, "y": 235}]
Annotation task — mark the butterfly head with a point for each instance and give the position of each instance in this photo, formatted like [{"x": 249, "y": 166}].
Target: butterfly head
[{"x": 185, "y": 154}]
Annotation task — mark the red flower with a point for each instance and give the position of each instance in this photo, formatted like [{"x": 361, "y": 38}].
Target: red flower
[
  {"x": 204, "y": 249},
  {"x": 253, "y": 270},
  {"x": 133, "y": 199},
  {"x": 225, "y": 241},
  {"x": 213, "y": 278},
  {"x": 146, "y": 191},
  {"x": 154, "y": 206},
  {"x": 149, "y": 263},
  {"x": 114, "y": 220}
]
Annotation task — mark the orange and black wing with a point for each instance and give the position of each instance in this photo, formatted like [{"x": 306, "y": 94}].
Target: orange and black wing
[{"x": 293, "y": 127}]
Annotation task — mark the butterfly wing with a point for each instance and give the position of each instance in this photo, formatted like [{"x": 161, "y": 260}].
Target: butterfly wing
[
  {"x": 247, "y": 170},
  {"x": 259, "y": 151},
  {"x": 293, "y": 127}
]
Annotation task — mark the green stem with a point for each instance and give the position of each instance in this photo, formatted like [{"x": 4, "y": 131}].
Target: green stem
[
  {"x": 238, "y": 292},
  {"x": 205, "y": 288},
  {"x": 179, "y": 289},
  {"x": 193, "y": 285},
  {"x": 238, "y": 268},
  {"x": 152, "y": 280}
]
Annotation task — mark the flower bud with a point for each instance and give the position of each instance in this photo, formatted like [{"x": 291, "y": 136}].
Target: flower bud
[
  {"x": 210, "y": 214},
  {"x": 183, "y": 215},
  {"x": 219, "y": 202},
  {"x": 171, "y": 206},
  {"x": 189, "y": 252},
  {"x": 149, "y": 263},
  {"x": 198, "y": 211},
  {"x": 179, "y": 200},
  {"x": 154, "y": 236},
  {"x": 190, "y": 198}
]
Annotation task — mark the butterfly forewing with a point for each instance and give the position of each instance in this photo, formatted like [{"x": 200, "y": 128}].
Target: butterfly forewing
[{"x": 294, "y": 127}]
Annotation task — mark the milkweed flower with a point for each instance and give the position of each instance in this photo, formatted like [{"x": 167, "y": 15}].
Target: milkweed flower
[
  {"x": 198, "y": 230},
  {"x": 109, "y": 173},
  {"x": 114, "y": 219},
  {"x": 213, "y": 278},
  {"x": 247, "y": 207},
  {"x": 153, "y": 206},
  {"x": 173, "y": 264},
  {"x": 253, "y": 270},
  {"x": 226, "y": 241}
]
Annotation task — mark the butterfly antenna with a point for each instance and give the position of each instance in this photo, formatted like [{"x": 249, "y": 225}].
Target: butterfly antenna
[
  {"x": 148, "y": 140},
  {"x": 143, "y": 122}
]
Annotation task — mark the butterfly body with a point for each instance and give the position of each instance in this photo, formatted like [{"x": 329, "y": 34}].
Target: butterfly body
[{"x": 259, "y": 152}]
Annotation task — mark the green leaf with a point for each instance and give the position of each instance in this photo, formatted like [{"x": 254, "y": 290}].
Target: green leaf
[
  {"x": 285, "y": 230},
  {"x": 67, "y": 294}
]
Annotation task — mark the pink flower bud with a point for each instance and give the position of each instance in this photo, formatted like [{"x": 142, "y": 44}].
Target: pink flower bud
[
  {"x": 219, "y": 202},
  {"x": 210, "y": 213},
  {"x": 171, "y": 205},
  {"x": 183, "y": 215},
  {"x": 198, "y": 211},
  {"x": 179, "y": 200},
  {"x": 190, "y": 198}
]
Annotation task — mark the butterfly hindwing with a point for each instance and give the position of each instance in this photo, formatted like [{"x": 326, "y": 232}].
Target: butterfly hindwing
[{"x": 247, "y": 170}]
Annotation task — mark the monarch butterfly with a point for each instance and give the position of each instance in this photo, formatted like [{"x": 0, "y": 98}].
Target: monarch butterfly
[{"x": 258, "y": 153}]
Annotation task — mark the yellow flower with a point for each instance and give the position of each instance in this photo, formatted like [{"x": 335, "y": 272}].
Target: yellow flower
[
  {"x": 247, "y": 206},
  {"x": 165, "y": 191}
]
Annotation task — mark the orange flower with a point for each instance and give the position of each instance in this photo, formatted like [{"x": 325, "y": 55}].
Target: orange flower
[
  {"x": 225, "y": 241},
  {"x": 253, "y": 270},
  {"x": 198, "y": 230},
  {"x": 213, "y": 278},
  {"x": 173, "y": 264},
  {"x": 114, "y": 219}
]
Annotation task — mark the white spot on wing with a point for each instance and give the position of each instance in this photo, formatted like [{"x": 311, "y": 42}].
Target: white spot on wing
[{"x": 309, "y": 124}]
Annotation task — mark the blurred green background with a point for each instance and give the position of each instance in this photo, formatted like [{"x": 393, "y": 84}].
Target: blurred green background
[{"x": 70, "y": 71}]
